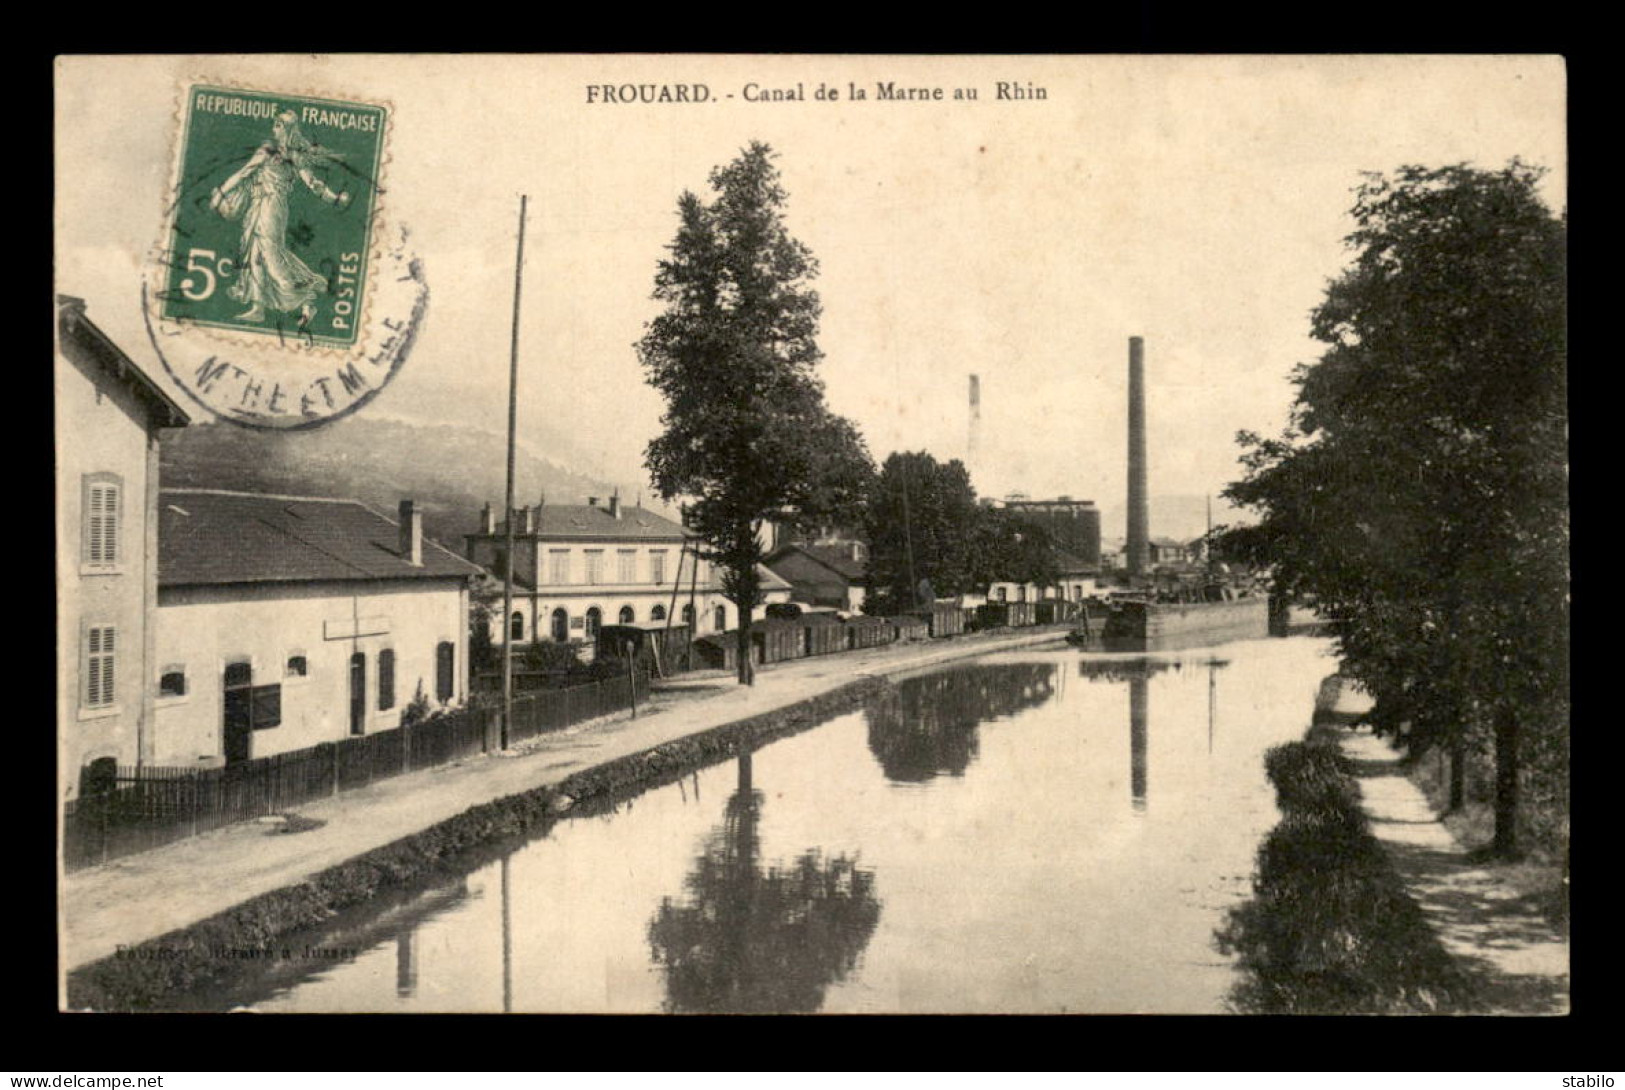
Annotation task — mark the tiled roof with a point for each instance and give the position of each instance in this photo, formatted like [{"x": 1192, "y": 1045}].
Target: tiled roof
[
  {"x": 72, "y": 323},
  {"x": 568, "y": 520},
  {"x": 213, "y": 537},
  {"x": 836, "y": 558}
]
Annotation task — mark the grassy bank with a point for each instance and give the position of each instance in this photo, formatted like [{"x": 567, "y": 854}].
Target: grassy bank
[
  {"x": 208, "y": 955},
  {"x": 1330, "y": 928}
]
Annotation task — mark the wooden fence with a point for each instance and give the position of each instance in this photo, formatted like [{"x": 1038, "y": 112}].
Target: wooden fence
[{"x": 148, "y": 807}]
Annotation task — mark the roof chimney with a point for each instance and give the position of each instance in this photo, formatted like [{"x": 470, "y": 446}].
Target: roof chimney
[
  {"x": 488, "y": 520},
  {"x": 615, "y": 504},
  {"x": 524, "y": 519},
  {"x": 592, "y": 501},
  {"x": 412, "y": 533}
]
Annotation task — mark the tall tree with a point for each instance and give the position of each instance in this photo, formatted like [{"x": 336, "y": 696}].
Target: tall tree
[
  {"x": 1420, "y": 494},
  {"x": 919, "y": 523},
  {"x": 747, "y": 433}
]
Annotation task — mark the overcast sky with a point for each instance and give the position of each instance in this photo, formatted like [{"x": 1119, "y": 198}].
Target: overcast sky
[{"x": 1197, "y": 202}]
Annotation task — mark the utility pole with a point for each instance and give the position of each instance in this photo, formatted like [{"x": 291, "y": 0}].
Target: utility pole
[{"x": 513, "y": 418}]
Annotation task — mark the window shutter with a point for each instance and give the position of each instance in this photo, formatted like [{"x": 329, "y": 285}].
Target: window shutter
[{"x": 265, "y": 706}]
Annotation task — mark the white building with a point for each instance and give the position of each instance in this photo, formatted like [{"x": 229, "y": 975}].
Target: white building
[
  {"x": 579, "y": 567},
  {"x": 287, "y": 621},
  {"x": 108, "y": 415}
]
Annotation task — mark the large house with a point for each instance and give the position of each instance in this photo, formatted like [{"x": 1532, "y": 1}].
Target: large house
[
  {"x": 287, "y": 621},
  {"x": 578, "y": 567},
  {"x": 108, "y": 414},
  {"x": 823, "y": 574}
]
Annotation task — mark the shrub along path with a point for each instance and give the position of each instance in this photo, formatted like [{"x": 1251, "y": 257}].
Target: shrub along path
[
  {"x": 1519, "y": 961},
  {"x": 140, "y": 897}
]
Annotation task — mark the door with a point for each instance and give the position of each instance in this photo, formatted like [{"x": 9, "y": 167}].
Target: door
[
  {"x": 358, "y": 693},
  {"x": 238, "y": 716}
]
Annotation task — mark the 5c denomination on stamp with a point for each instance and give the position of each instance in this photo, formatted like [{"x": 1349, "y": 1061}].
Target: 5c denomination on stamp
[{"x": 277, "y": 297}]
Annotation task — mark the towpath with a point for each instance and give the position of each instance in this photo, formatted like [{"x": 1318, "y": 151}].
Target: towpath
[
  {"x": 1519, "y": 960},
  {"x": 140, "y": 897}
]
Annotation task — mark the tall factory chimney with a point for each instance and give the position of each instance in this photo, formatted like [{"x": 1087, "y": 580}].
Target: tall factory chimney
[
  {"x": 975, "y": 413},
  {"x": 1139, "y": 504}
]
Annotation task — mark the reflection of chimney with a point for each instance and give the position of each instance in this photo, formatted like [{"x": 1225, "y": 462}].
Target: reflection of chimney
[
  {"x": 488, "y": 520},
  {"x": 1139, "y": 505},
  {"x": 1137, "y": 700},
  {"x": 411, "y": 534}
]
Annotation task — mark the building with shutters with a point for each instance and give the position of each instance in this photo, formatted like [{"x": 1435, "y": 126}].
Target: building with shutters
[
  {"x": 579, "y": 567},
  {"x": 108, "y": 418},
  {"x": 287, "y": 621}
]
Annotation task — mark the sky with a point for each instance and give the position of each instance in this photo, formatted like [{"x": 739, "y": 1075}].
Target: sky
[{"x": 1197, "y": 202}]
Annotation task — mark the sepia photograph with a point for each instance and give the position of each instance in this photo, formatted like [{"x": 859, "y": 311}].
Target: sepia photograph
[{"x": 812, "y": 534}]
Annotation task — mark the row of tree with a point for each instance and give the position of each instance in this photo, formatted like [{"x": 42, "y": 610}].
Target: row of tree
[
  {"x": 748, "y": 437},
  {"x": 1420, "y": 495},
  {"x": 928, "y": 536}
]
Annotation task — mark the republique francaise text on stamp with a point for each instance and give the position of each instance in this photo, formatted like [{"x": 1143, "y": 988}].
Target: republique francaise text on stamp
[{"x": 277, "y": 299}]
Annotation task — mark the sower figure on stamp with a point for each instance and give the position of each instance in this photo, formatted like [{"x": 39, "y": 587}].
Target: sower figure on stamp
[{"x": 272, "y": 276}]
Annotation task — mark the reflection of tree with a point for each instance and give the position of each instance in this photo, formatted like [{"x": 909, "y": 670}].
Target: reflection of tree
[
  {"x": 926, "y": 726},
  {"x": 749, "y": 940}
]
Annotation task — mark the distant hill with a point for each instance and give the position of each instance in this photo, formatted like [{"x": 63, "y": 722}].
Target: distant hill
[
  {"x": 1183, "y": 518},
  {"x": 450, "y": 470}
]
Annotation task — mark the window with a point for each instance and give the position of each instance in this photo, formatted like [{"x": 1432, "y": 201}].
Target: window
[
  {"x": 386, "y": 679},
  {"x": 298, "y": 666},
  {"x": 445, "y": 682},
  {"x": 516, "y": 627},
  {"x": 657, "y": 569},
  {"x": 688, "y": 616},
  {"x": 1003, "y": 593},
  {"x": 103, "y": 499},
  {"x": 100, "y": 643},
  {"x": 626, "y": 566},
  {"x": 658, "y": 613},
  {"x": 172, "y": 682},
  {"x": 595, "y": 567},
  {"x": 627, "y": 616},
  {"x": 722, "y": 618},
  {"x": 594, "y": 617},
  {"x": 558, "y": 565},
  {"x": 561, "y": 626}
]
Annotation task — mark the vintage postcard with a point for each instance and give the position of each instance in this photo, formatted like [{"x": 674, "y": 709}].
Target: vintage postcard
[{"x": 811, "y": 534}]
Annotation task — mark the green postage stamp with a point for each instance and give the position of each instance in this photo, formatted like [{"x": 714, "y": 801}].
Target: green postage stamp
[
  {"x": 281, "y": 294},
  {"x": 271, "y": 231}
]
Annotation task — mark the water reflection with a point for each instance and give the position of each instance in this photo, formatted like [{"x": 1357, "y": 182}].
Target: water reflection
[
  {"x": 926, "y": 726},
  {"x": 1137, "y": 699},
  {"x": 751, "y": 940}
]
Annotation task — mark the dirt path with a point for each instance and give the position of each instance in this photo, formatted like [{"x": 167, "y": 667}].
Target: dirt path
[
  {"x": 1520, "y": 960},
  {"x": 143, "y": 896}
]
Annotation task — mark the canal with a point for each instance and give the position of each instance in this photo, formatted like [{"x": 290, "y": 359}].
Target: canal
[{"x": 1034, "y": 831}]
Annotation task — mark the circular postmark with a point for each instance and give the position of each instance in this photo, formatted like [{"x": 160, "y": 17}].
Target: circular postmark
[{"x": 279, "y": 296}]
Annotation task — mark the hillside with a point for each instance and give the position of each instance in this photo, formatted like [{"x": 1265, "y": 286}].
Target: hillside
[{"x": 450, "y": 470}]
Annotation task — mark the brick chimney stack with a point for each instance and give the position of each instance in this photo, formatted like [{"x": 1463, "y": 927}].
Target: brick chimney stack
[
  {"x": 615, "y": 505},
  {"x": 412, "y": 534},
  {"x": 1139, "y": 503},
  {"x": 488, "y": 520}
]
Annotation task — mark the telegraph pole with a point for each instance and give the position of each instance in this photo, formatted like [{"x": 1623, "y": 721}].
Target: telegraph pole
[{"x": 513, "y": 417}]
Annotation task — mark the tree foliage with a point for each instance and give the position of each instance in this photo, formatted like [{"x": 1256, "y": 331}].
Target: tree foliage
[
  {"x": 925, "y": 526},
  {"x": 747, "y": 433},
  {"x": 1420, "y": 493}
]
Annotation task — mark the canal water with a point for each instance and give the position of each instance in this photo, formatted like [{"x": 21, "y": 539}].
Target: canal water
[{"x": 1034, "y": 831}]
